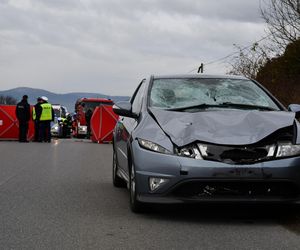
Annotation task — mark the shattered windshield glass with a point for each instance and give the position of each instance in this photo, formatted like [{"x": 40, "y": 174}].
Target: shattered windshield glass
[{"x": 199, "y": 93}]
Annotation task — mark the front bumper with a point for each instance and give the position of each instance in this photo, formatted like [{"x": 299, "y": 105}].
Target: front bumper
[
  {"x": 254, "y": 193},
  {"x": 191, "y": 180},
  {"x": 55, "y": 130}
]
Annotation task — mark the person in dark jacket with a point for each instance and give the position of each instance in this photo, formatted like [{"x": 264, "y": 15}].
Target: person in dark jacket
[{"x": 23, "y": 116}]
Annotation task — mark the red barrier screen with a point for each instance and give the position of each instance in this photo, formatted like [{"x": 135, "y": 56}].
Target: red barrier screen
[
  {"x": 9, "y": 125},
  {"x": 103, "y": 122}
]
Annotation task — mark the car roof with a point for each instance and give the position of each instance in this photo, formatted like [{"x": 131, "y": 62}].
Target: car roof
[
  {"x": 199, "y": 76},
  {"x": 86, "y": 99}
]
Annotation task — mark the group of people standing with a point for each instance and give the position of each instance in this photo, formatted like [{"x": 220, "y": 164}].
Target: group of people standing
[{"x": 42, "y": 115}]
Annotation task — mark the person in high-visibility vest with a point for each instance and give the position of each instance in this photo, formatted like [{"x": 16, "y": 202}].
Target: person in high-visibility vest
[
  {"x": 36, "y": 110},
  {"x": 45, "y": 116},
  {"x": 66, "y": 128}
]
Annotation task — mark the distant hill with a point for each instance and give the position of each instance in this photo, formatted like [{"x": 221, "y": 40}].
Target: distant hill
[{"x": 67, "y": 100}]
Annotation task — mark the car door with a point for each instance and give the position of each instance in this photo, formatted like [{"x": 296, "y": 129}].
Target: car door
[{"x": 125, "y": 127}]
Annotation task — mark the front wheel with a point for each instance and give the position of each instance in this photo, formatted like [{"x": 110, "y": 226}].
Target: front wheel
[
  {"x": 135, "y": 205},
  {"x": 117, "y": 180}
]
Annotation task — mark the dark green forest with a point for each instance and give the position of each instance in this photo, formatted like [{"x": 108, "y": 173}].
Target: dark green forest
[{"x": 281, "y": 75}]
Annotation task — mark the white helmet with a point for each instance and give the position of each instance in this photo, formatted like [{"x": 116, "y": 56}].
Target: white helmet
[{"x": 44, "y": 98}]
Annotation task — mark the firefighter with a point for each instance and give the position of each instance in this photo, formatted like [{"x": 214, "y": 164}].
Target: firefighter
[
  {"x": 36, "y": 108},
  {"x": 88, "y": 116},
  {"x": 45, "y": 115},
  {"x": 67, "y": 123},
  {"x": 23, "y": 115}
]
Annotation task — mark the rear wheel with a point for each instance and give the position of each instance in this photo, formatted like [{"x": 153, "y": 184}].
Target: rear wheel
[
  {"x": 117, "y": 180},
  {"x": 135, "y": 205}
]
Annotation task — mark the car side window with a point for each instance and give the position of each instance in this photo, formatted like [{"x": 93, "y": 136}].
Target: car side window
[{"x": 138, "y": 98}]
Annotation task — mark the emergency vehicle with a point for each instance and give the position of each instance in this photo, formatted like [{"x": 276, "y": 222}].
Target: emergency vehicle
[{"x": 82, "y": 106}]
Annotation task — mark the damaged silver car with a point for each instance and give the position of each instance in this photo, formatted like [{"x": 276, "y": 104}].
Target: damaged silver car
[{"x": 202, "y": 138}]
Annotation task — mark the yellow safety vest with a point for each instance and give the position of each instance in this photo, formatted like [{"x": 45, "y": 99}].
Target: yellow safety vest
[
  {"x": 46, "y": 112},
  {"x": 33, "y": 114}
]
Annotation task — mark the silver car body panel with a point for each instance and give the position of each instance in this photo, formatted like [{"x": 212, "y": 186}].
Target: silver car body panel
[
  {"x": 225, "y": 127},
  {"x": 181, "y": 169}
]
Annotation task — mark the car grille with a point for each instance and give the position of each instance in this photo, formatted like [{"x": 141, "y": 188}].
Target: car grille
[
  {"x": 239, "y": 155},
  {"x": 236, "y": 190}
]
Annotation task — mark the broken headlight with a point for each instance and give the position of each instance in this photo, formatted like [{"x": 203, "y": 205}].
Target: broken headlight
[
  {"x": 287, "y": 149},
  {"x": 219, "y": 152},
  {"x": 190, "y": 151},
  {"x": 152, "y": 146}
]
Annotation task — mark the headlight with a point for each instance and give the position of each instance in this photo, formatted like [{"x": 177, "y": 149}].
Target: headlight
[
  {"x": 153, "y": 146},
  {"x": 287, "y": 149},
  {"x": 83, "y": 128},
  {"x": 55, "y": 127},
  {"x": 191, "y": 151}
]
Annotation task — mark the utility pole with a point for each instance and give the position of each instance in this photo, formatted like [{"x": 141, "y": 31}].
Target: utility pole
[{"x": 201, "y": 68}]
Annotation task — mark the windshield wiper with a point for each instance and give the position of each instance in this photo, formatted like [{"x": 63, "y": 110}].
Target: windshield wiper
[
  {"x": 198, "y": 106},
  {"x": 245, "y": 106},
  {"x": 222, "y": 105}
]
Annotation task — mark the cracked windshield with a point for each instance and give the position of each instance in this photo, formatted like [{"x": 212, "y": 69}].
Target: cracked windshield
[{"x": 208, "y": 93}]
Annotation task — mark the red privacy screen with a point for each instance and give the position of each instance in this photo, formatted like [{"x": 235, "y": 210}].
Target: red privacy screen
[{"x": 9, "y": 126}]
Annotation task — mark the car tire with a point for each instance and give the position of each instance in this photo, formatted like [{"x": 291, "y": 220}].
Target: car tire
[
  {"x": 117, "y": 180},
  {"x": 135, "y": 205}
]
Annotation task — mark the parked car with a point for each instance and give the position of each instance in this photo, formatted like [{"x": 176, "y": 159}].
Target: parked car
[
  {"x": 202, "y": 138},
  {"x": 60, "y": 113}
]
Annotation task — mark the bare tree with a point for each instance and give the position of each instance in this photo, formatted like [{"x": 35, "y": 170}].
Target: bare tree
[
  {"x": 7, "y": 100},
  {"x": 283, "y": 21},
  {"x": 249, "y": 61}
]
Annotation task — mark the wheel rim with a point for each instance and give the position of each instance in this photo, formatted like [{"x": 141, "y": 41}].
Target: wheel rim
[{"x": 132, "y": 184}]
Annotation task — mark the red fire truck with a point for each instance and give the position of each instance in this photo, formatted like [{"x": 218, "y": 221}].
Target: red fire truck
[{"x": 83, "y": 107}]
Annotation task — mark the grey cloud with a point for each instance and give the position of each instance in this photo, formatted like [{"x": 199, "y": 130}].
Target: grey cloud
[
  {"x": 246, "y": 11},
  {"x": 58, "y": 5},
  {"x": 98, "y": 40}
]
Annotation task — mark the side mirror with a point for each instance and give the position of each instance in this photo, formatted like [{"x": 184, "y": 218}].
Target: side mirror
[
  {"x": 295, "y": 108},
  {"x": 124, "y": 109}
]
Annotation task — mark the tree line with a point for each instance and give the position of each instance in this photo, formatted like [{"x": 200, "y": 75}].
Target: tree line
[{"x": 7, "y": 100}]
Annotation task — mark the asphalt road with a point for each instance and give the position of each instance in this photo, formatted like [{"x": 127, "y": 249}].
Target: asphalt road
[{"x": 60, "y": 196}]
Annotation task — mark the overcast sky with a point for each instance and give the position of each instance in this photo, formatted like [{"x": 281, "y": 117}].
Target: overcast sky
[{"x": 108, "y": 46}]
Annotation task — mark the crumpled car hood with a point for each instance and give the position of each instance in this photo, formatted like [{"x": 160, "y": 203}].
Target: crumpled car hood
[{"x": 225, "y": 127}]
